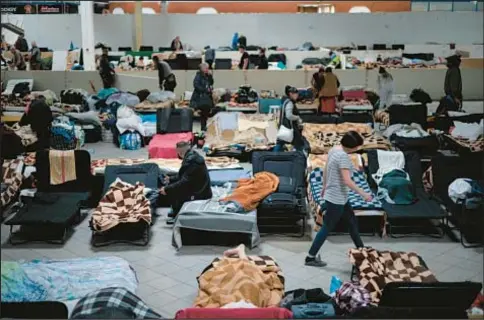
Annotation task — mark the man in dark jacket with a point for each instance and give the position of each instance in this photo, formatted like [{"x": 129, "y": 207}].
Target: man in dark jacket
[
  {"x": 263, "y": 63},
  {"x": 202, "y": 94},
  {"x": 192, "y": 183},
  {"x": 166, "y": 78},
  {"x": 106, "y": 71},
  {"x": 453, "y": 79},
  {"x": 21, "y": 44}
]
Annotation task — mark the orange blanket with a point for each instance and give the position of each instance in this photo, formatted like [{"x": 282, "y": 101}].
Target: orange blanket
[{"x": 250, "y": 192}]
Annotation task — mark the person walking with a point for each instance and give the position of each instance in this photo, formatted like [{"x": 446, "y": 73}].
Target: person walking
[
  {"x": 106, "y": 71},
  {"x": 336, "y": 185},
  {"x": 385, "y": 88},
  {"x": 290, "y": 119},
  {"x": 166, "y": 77},
  {"x": 453, "y": 80}
]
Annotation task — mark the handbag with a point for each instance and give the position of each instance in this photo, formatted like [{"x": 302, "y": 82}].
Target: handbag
[{"x": 285, "y": 134}]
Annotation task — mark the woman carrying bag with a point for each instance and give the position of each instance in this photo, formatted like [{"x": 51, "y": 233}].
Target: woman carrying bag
[
  {"x": 290, "y": 123},
  {"x": 202, "y": 94}
]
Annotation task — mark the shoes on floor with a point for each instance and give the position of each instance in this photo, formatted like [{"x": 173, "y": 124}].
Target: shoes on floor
[{"x": 315, "y": 262}]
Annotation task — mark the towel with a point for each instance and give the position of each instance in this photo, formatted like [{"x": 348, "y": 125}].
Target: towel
[
  {"x": 389, "y": 161},
  {"x": 250, "y": 192},
  {"x": 62, "y": 166}
]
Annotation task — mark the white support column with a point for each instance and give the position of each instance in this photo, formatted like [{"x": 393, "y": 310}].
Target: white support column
[{"x": 86, "y": 10}]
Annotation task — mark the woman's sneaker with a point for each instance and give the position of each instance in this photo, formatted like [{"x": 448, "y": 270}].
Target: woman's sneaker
[{"x": 315, "y": 262}]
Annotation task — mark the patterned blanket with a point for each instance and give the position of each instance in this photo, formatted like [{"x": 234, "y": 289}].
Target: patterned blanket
[
  {"x": 258, "y": 280},
  {"x": 322, "y": 137},
  {"x": 377, "y": 268},
  {"x": 319, "y": 161},
  {"x": 122, "y": 203},
  {"x": 317, "y": 203},
  {"x": 12, "y": 180},
  {"x": 147, "y": 105},
  {"x": 61, "y": 280},
  {"x": 473, "y": 146}
]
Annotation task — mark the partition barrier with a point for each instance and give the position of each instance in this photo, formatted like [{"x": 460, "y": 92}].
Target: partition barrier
[{"x": 430, "y": 80}]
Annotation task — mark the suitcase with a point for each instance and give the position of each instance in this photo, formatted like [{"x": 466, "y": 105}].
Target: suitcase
[
  {"x": 164, "y": 145},
  {"x": 169, "y": 120},
  {"x": 290, "y": 167},
  {"x": 408, "y": 114}
]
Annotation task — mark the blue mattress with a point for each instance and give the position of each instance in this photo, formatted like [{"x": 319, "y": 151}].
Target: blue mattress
[
  {"x": 220, "y": 177},
  {"x": 355, "y": 200}
]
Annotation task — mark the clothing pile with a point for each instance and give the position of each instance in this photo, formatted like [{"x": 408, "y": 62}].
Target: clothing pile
[
  {"x": 122, "y": 203},
  {"x": 65, "y": 135},
  {"x": 131, "y": 129},
  {"x": 73, "y": 96},
  {"x": 257, "y": 280},
  {"x": 25, "y": 133},
  {"x": 413, "y": 130},
  {"x": 250, "y": 192},
  {"x": 245, "y": 97},
  {"x": 467, "y": 191},
  {"x": 375, "y": 269}
]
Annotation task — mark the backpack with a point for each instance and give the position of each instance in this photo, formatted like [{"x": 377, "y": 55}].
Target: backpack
[
  {"x": 22, "y": 89},
  {"x": 418, "y": 95}
]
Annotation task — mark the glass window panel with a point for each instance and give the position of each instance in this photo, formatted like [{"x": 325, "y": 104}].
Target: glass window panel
[
  {"x": 440, "y": 6},
  {"x": 420, "y": 6},
  {"x": 464, "y": 6}
]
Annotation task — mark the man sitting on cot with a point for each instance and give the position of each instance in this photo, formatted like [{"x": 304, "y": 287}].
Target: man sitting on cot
[{"x": 192, "y": 182}]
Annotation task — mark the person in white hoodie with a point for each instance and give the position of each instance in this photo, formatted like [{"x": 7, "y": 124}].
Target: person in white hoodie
[{"x": 385, "y": 88}]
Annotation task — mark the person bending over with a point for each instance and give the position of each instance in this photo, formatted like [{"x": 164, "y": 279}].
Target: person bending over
[
  {"x": 166, "y": 78},
  {"x": 290, "y": 119},
  {"x": 192, "y": 183},
  {"x": 336, "y": 185}
]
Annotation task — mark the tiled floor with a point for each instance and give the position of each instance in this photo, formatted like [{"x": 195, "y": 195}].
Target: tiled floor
[{"x": 168, "y": 278}]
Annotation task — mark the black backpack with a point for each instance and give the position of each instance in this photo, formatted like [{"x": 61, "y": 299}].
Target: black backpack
[
  {"x": 420, "y": 96},
  {"x": 22, "y": 89}
]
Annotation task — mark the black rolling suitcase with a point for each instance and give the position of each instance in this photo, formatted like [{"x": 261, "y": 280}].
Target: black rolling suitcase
[
  {"x": 287, "y": 204},
  {"x": 169, "y": 120}
]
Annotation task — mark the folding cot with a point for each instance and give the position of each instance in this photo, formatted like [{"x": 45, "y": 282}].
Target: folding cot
[
  {"x": 402, "y": 287},
  {"x": 367, "y": 213},
  {"x": 172, "y": 126},
  {"x": 287, "y": 206},
  {"x": 53, "y": 210},
  {"x": 445, "y": 167},
  {"x": 223, "y": 176},
  {"x": 137, "y": 233},
  {"x": 423, "y": 210},
  {"x": 208, "y": 222}
]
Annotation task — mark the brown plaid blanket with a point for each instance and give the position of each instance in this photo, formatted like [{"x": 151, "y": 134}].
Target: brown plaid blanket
[
  {"x": 12, "y": 180},
  {"x": 322, "y": 137},
  {"x": 383, "y": 117},
  {"x": 377, "y": 268},
  {"x": 257, "y": 280},
  {"x": 123, "y": 203},
  {"x": 473, "y": 146}
]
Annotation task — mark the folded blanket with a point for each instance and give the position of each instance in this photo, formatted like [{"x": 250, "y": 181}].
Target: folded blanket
[
  {"x": 62, "y": 166},
  {"x": 377, "y": 268},
  {"x": 257, "y": 280},
  {"x": 122, "y": 203},
  {"x": 250, "y": 192}
]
